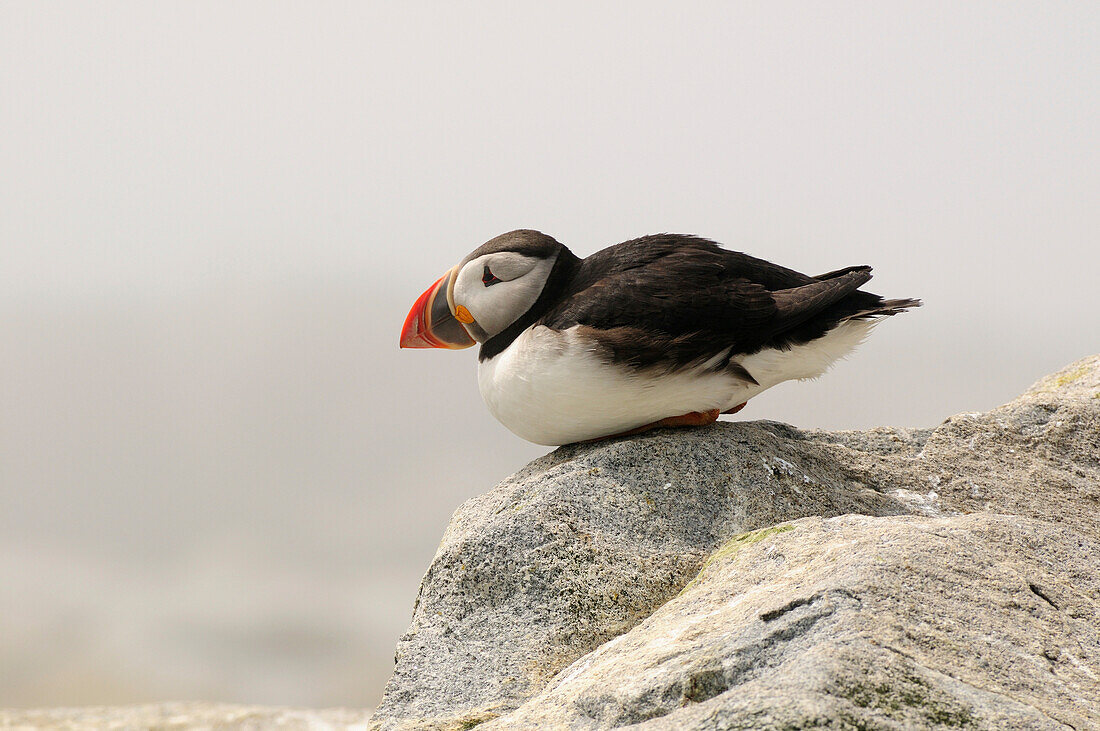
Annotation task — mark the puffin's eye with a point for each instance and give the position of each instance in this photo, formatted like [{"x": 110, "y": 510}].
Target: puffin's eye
[{"x": 488, "y": 278}]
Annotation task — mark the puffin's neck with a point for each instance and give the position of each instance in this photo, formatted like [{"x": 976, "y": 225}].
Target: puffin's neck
[{"x": 560, "y": 275}]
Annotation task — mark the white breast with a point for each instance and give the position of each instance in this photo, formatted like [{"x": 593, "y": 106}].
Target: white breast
[{"x": 552, "y": 387}]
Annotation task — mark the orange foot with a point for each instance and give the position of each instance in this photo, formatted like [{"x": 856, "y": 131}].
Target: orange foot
[
  {"x": 736, "y": 408},
  {"x": 692, "y": 418}
]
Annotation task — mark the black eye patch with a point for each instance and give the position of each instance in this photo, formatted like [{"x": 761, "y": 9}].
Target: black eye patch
[{"x": 488, "y": 278}]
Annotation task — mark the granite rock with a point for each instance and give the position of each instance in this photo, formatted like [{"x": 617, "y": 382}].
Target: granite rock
[
  {"x": 976, "y": 621},
  {"x": 579, "y": 547},
  {"x": 591, "y": 588}
]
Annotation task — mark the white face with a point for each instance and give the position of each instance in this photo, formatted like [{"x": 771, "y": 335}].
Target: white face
[{"x": 497, "y": 288}]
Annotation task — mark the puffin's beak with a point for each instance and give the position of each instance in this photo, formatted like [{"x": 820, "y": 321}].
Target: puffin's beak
[{"x": 431, "y": 324}]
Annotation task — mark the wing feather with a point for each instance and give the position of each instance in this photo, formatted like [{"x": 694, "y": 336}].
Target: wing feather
[{"x": 672, "y": 301}]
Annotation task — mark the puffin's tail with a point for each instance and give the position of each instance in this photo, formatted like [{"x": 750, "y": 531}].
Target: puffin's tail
[
  {"x": 885, "y": 308},
  {"x": 869, "y": 305}
]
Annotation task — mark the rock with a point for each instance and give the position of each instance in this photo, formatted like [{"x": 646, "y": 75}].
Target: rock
[
  {"x": 981, "y": 621},
  {"x": 553, "y": 598},
  {"x": 583, "y": 544},
  {"x": 190, "y": 716},
  {"x": 1037, "y": 456}
]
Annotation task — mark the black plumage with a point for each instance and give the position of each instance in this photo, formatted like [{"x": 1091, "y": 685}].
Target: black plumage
[{"x": 669, "y": 300}]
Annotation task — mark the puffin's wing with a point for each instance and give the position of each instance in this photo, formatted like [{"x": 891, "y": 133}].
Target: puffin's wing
[
  {"x": 692, "y": 303},
  {"x": 795, "y": 306}
]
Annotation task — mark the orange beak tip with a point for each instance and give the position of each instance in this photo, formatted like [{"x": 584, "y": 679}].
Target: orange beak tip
[{"x": 431, "y": 324}]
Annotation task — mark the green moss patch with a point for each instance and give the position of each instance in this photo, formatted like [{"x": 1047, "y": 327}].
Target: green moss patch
[
  {"x": 735, "y": 544},
  {"x": 1070, "y": 377}
]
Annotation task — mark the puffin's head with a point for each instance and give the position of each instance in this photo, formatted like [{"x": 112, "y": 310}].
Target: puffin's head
[{"x": 484, "y": 294}]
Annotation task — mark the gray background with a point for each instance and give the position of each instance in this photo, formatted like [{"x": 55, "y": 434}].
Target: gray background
[{"x": 220, "y": 478}]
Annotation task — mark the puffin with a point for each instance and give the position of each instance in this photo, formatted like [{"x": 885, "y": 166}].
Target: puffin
[{"x": 660, "y": 331}]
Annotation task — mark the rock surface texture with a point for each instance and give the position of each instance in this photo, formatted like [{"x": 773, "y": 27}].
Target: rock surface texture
[
  {"x": 751, "y": 575},
  {"x": 183, "y": 717}
]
